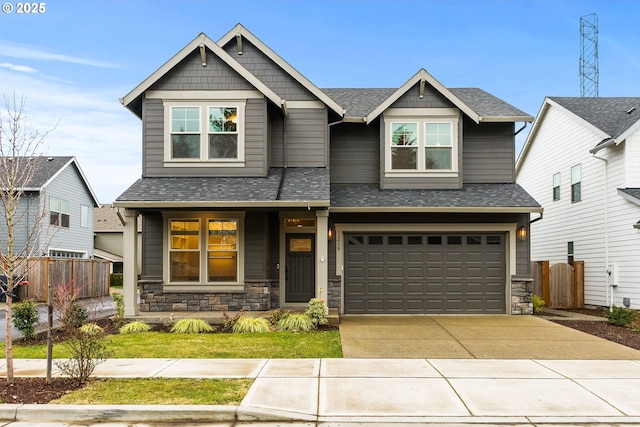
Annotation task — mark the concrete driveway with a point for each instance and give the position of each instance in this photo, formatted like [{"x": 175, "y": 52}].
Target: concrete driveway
[{"x": 472, "y": 337}]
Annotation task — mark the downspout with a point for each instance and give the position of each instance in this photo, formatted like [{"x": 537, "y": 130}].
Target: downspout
[{"x": 609, "y": 291}]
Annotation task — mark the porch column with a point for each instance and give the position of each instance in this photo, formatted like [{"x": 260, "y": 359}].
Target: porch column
[
  {"x": 322, "y": 255},
  {"x": 130, "y": 262}
]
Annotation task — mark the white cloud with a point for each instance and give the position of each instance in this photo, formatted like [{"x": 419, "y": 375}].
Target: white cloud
[
  {"x": 13, "y": 50},
  {"x": 20, "y": 68},
  {"x": 92, "y": 126}
]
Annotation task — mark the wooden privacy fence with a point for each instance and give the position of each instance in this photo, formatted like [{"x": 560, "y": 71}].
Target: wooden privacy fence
[
  {"x": 88, "y": 277},
  {"x": 560, "y": 285}
]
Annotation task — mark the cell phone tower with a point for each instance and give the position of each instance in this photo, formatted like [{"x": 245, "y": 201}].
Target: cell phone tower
[{"x": 589, "y": 73}]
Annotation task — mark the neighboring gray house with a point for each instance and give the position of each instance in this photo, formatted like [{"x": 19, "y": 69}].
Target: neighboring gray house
[
  {"x": 260, "y": 190},
  {"x": 59, "y": 199}
]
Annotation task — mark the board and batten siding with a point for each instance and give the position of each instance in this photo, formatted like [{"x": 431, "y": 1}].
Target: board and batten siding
[
  {"x": 598, "y": 233},
  {"x": 355, "y": 157},
  {"x": 69, "y": 185},
  {"x": 488, "y": 152},
  {"x": 255, "y": 139}
]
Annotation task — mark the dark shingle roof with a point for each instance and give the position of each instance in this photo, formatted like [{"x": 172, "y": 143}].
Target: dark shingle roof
[
  {"x": 361, "y": 102},
  {"x": 471, "y": 196},
  {"x": 633, "y": 192},
  {"x": 298, "y": 184},
  {"x": 613, "y": 116},
  {"x": 45, "y": 168}
]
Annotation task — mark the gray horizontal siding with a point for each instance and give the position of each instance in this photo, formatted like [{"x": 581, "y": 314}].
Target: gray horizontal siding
[
  {"x": 268, "y": 72},
  {"x": 306, "y": 137},
  {"x": 152, "y": 232},
  {"x": 355, "y": 153},
  {"x": 255, "y": 144},
  {"x": 489, "y": 151}
]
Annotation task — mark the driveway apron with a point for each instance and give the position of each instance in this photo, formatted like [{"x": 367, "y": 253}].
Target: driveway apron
[{"x": 472, "y": 337}]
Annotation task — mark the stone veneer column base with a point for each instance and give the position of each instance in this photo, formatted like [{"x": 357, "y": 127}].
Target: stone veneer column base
[
  {"x": 521, "y": 295},
  {"x": 257, "y": 296}
]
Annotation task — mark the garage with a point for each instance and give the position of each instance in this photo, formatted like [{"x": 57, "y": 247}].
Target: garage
[{"x": 430, "y": 273}]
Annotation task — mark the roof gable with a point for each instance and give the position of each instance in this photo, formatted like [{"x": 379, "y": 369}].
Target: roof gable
[
  {"x": 239, "y": 31},
  {"x": 199, "y": 43},
  {"x": 47, "y": 168}
]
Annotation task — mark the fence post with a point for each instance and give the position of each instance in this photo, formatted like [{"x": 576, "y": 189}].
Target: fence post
[
  {"x": 546, "y": 293},
  {"x": 578, "y": 284}
]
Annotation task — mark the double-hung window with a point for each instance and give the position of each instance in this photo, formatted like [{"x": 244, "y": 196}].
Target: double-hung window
[
  {"x": 204, "y": 250},
  {"x": 556, "y": 186},
  {"x": 59, "y": 212},
  {"x": 576, "y": 178},
  {"x": 417, "y": 144},
  {"x": 204, "y": 132}
]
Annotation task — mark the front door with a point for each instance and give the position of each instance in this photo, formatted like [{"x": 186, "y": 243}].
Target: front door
[{"x": 300, "y": 267}]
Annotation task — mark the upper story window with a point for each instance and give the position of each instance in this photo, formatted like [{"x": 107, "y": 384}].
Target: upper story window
[
  {"x": 204, "y": 132},
  {"x": 426, "y": 144},
  {"x": 59, "y": 212},
  {"x": 576, "y": 183},
  {"x": 556, "y": 186}
]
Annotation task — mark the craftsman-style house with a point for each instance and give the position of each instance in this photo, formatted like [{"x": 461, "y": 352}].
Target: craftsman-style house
[{"x": 260, "y": 190}]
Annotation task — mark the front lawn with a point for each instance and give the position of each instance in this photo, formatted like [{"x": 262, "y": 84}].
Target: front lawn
[{"x": 316, "y": 344}]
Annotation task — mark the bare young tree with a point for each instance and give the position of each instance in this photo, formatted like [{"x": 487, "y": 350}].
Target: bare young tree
[{"x": 19, "y": 227}]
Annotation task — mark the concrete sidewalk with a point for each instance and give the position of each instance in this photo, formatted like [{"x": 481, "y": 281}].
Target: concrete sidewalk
[{"x": 436, "y": 391}]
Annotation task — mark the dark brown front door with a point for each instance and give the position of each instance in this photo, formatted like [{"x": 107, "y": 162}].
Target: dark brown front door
[{"x": 300, "y": 270}]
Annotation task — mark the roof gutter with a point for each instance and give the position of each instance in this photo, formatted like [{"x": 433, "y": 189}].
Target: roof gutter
[{"x": 607, "y": 142}]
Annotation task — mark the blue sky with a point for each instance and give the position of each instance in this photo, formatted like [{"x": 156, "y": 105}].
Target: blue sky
[{"x": 73, "y": 62}]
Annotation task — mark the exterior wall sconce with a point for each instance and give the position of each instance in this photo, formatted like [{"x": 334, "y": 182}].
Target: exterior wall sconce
[
  {"x": 521, "y": 233},
  {"x": 330, "y": 233}
]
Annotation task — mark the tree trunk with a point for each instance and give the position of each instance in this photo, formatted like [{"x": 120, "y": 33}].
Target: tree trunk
[{"x": 8, "y": 339}]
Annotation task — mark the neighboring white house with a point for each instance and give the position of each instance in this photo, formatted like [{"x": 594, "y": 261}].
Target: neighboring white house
[{"x": 581, "y": 162}]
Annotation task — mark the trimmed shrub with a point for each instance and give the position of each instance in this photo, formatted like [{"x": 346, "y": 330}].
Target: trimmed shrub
[
  {"x": 276, "y": 315},
  {"x": 25, "y": 318},
  {"x": 191, "y": 326},
  {"x": 248, "y": 324},
  {"x": 135, "y": 327},
  {"x": 295, "y": 322},
  {"x": 620, "y": 316}
]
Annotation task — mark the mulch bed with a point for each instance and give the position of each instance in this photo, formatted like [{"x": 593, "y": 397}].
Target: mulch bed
[{"x": 36, "y": 390}]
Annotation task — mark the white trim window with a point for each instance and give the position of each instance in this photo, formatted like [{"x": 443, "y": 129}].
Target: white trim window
[
  {"x": 576, "y": 183},
  {"x": 556, "y": 186},
  {"x": 209, "y": 132},
  {"x": 204, "y": 250},
  {"x": 59, "y": 212},
  {"x": 425, "y": 145},
  {"x": 84, "y": 216}
]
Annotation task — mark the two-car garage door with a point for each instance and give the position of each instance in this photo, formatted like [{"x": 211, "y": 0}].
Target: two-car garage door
[{"x": 424, "y": 273}]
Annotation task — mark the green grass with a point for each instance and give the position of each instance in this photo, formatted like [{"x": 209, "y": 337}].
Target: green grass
[
  {"x": 159, "y": 391},
  {"x": 321, "y": 344}
]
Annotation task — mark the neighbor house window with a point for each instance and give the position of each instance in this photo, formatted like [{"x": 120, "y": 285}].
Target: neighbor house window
[
  {"x": 84, "y": 216},
  {"x": 59, "y": 212},
  {"x": 204, "y": 250},
  {"x": 576, "y": 178},
  {"x": 570, "y": 253},
  {"x": 203, "y": 132},
  {"x": 556, "y": 186},
  {"x": 421, "y": 144}
]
